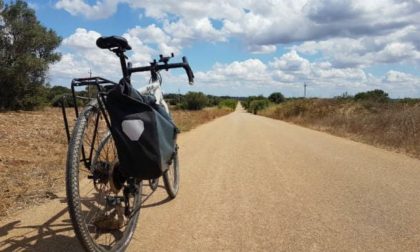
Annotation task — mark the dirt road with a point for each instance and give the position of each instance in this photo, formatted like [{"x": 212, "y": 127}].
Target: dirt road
[{"x": 251, "y": 183}]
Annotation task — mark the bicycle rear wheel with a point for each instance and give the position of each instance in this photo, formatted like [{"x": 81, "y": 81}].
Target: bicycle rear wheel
[
  {"x": 103, "y": 206},
  {"x": 171, "y": 176}
]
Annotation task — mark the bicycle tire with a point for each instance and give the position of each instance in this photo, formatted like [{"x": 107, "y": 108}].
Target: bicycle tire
[
  {"x": 74, "y": 188},
  {"x": 171, "y": 176}
]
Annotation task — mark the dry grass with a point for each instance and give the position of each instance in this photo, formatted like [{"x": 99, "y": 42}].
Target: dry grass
[
  {"x": 391, "y": 125},
  {"x": 187, "y": 120},
  {"x": 33, "y": 148},
  {"x": 32, "y": 151}
]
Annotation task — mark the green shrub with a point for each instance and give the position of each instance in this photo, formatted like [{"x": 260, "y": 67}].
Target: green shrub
[
  {"x": 276, "y": 97},
  {"x": 194, "y": 101},
  {"x": 228, "y": 103},
  {"x": 376, "y": 95},
  {"x": 257, "y": 105},
  {"x": 247, "y": 101},
  {"x": 213, "y": 100}
]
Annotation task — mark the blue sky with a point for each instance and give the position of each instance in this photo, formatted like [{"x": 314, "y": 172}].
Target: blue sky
[{"x": 247, "y": 47}]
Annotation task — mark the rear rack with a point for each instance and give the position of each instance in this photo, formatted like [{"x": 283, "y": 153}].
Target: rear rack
[
  {"x": 101, "y": 85},
  {"x": 96, "y": 88}
]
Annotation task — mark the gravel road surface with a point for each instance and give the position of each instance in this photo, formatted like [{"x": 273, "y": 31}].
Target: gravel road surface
[{"x": 250, "y": 183}]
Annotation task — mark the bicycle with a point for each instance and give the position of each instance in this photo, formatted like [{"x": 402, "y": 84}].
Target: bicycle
[{"x": 104, "y": 204}]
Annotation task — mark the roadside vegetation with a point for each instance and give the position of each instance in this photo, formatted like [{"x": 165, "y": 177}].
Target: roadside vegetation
[
  {"x": 198, "y": 101},
  {"x": 370, "y": 117},
  {"x": 253, "y": 104}
]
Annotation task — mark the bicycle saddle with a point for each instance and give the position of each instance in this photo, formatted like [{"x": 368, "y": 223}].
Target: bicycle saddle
[{"x": 112, "y": 42}]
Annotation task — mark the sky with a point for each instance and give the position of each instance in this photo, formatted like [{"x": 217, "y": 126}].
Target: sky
[{"x": 246, "y": 47}]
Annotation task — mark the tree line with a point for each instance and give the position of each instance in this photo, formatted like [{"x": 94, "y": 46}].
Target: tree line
[{"x": 253, "y": 104}]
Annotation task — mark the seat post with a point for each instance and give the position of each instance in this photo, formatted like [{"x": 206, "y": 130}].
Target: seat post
[{"x": 121, "y": 55}]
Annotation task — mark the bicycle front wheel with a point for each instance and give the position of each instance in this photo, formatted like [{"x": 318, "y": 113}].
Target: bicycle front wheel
[
  {"x": 171, "y": 176},
  {"x": 104, "y": 207}
]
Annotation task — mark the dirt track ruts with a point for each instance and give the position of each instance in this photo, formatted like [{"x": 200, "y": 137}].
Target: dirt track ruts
[{"x": 250, "y": 183}]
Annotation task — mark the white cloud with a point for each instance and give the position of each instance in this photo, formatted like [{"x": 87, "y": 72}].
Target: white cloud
[
  {"x": 268, "y": 23},
  {"x": 400, "y": 84},
  {"x": 262, "y": 49},
  {"x": 286, "y": 73},
  {"x": 69, "y": 67},
  {"x": 187, "y": 30},
  {"x": 344, "y": 37},
  {"x": 292, "y": 62},
  {"x": 366, "y": 51},
  {"x": 396, "y": 76},
  {"x": 80, "y": 56},
  {"x": 82, "y": 39},
  {"x": 289, "y": 72},
  {"x": 102, "y": 9}
]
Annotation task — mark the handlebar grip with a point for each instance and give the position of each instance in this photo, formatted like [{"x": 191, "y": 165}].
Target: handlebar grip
[{"x": 188, "y": 70}]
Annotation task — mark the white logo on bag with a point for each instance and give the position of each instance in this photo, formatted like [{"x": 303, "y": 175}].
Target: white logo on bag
[{"x": 133, "y": 129}]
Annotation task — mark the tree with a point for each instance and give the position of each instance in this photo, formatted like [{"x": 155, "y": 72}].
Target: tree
[
  {"x": 26, "y": 50},
  {"x": 376, "y": 95},
  {"x": 276, "y": 97},
  {"x": 195, "y": 101}
]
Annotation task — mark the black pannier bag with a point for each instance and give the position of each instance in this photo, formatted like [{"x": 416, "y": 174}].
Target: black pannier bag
[{"x": 143, "y": 132}]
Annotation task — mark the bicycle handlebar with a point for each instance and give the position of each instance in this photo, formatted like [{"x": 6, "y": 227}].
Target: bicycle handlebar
[
  {"x": 119, "y": 45},
  {"x": 154, "y": 66},
  {"x": 188, "y": 70}
]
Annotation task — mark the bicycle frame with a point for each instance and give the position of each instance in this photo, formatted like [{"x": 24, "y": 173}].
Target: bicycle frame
[
  {"x": 155, "y": 89},
  {"x": 102, "y": 85}
]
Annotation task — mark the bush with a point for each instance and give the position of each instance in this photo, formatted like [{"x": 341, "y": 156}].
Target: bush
[
  {"x": 194, "y": 101},
  {"x": 173, "y": 99},
  {"x": 228, "y": 103},
  {"x": 257, "y": 105},
  {"x": 213, "y": 100},
  {"x": 376, "y": 95},
  {"x": 276, "y": 97},
  {"x": 247, "y": 101}
]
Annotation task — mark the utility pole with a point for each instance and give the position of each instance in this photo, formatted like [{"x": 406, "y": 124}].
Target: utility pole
[
  {"x": 90, "y": 72},
  {"x": 304, "y": 89}
]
